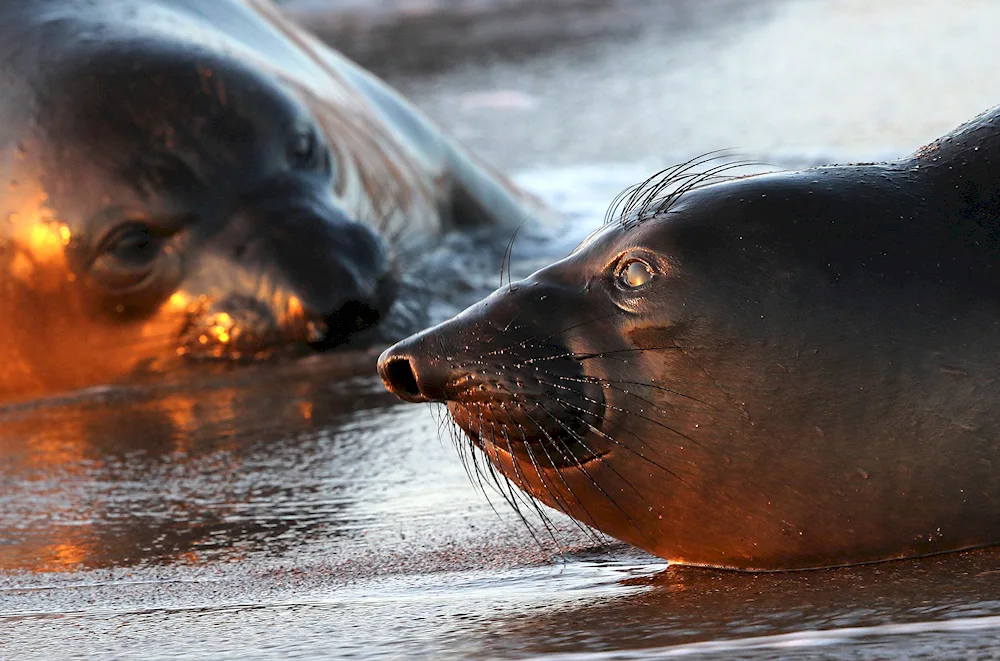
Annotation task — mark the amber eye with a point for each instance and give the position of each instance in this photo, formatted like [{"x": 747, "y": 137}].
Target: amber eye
[{"x": 635, "y": 273}]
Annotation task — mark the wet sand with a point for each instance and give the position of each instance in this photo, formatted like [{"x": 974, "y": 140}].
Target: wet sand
[{"x": 298, "y": 511}]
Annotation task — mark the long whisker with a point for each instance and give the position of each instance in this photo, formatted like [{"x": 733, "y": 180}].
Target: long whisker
[
  {"x": 520, "y": 493},
  {"x": 607, "y": 383},
  {"x": 620, "y": 410},
  {"x": 569, "y": 458},
  {"x": 522, "y": 481},
  {"x": 582, "y": 468},
  {"x": 510, "y": 448},
  {"x": 564, "y": 507},
  {"x": 580, "y": 357},
  {"x": 575, "y": 410},
  {"x": 512, "y": 499}
]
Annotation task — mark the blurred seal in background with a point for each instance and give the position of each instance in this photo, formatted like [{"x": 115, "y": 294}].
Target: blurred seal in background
[{"x": 204, "y": 180}]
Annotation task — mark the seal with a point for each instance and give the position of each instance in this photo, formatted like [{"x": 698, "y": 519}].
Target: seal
[
  {"x": 203, "y": 180},
  {"x": 781, "y": 371}
]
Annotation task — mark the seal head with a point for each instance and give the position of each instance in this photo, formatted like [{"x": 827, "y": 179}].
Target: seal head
[
  {"x": 166, "y": 222},
  {"x": 203, "y": 180},
  {"x": 782, "y": 371}
]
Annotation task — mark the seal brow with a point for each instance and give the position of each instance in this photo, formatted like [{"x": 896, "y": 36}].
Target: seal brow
[{"x": 626, "y": 201}]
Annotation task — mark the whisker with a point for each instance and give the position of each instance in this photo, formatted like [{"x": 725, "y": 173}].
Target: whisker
[
  {"x": 620, "y": 410},
  {"x": 564, "y": 507},
  {"x": 606, "y": 383},
  {"x": 508, "y": 256},
  {"x": 541, "y": 343},
  {"x": 571, "y": 409},
  {"x": 580, "y": 465},
  {"x": 580, "y": 357}
]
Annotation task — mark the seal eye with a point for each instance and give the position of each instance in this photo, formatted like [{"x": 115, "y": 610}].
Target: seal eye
[
  {"x": 133, "y": 244},
  {"x": 635, "y": 273},
  {"x": 126, "y": 257},
  {"x": 303, "y": 150}
]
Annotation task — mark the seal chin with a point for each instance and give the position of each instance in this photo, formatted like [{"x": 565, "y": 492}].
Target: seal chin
[
  {"x": 354, "y": 321},
  {"x": 245, "y": 328}
]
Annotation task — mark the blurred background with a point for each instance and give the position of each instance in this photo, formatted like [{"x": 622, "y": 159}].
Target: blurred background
[{"x": 555, "y": 82}]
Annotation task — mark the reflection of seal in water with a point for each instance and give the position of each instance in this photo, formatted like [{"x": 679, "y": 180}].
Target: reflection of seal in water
[
  {"x": 194, "y": 178},
  {"x": 781, "y": 371}
]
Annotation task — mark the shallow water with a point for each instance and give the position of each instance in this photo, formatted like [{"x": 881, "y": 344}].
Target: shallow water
[{"x": 299, "y": 511}]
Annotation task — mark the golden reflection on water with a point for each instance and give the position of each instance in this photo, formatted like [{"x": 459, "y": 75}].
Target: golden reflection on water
[{"x": 90, "y": 481}]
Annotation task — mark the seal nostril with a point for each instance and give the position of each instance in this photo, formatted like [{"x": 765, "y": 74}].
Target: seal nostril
[{"x": 400, "y": 378}]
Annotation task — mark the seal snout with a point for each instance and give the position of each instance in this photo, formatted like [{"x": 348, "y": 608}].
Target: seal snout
[{"x": 412, "y": 377}]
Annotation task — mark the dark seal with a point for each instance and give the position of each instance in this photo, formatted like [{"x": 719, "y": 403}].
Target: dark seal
[
  {"x": 189, "y": 179},
  {"x": 782, "y": 371}
]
